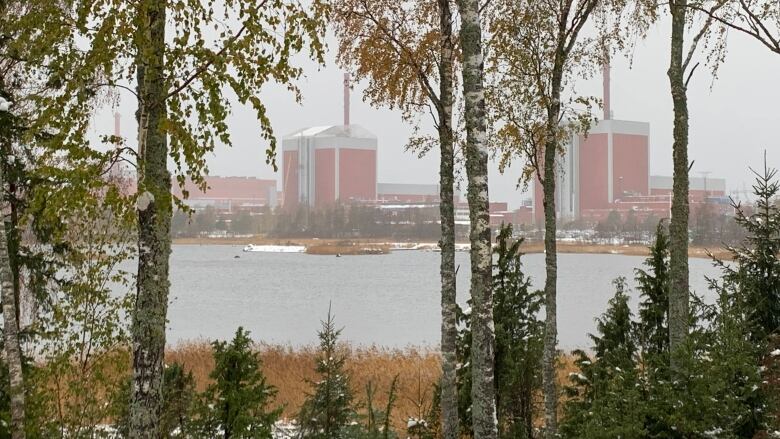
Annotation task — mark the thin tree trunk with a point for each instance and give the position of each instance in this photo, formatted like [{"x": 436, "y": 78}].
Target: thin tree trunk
[
  {"x": 549, "y": 360},
  {"x": 551, "y": 270},
  {"x": 483, "y": 410},
  {"x": 13, "y": 351},
  {"x": 154, "y": 220},
  {"x": 449, "y": 332},
  {"x": 678, "y": 226}
]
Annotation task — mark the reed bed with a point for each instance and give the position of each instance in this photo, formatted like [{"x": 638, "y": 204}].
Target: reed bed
[{"x": 291, "y": 370}]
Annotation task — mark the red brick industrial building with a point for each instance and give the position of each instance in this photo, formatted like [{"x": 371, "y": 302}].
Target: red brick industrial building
[
  {"x": 609, "y": 170},
  {"x": 322, "y": 165},
  {"x": 230, "y": 194},
  {"x": 325, "y": 164}
]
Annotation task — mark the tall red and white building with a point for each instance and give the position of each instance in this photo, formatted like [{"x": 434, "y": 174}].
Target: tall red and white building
[
  {"x": 608, "y": 164},
  {"x": 325, "y": 164},
  {"x": 322, "y": 165},
  {"x": 609, "y": 170}
]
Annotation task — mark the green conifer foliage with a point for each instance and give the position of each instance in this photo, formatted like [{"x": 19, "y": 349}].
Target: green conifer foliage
[
  {"x": 237, "y": 403},
  {"x": 179, "y": 398},
  {"x": 756, "y": 268},
  {"x": 519, "y": 344},
  {"x": 519, "y": 340},
  {"x": 604, "y": 398},
  {"x": 328, "y": 411},
  {"x": 653, "y": 284},
  {"x": 724, "y": 386}
]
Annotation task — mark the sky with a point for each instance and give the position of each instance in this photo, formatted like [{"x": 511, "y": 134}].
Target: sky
[{"x": 733, "y": 119}]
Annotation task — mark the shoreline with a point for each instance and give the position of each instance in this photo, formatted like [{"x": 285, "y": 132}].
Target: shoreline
[{"x": 341, "y": 246}]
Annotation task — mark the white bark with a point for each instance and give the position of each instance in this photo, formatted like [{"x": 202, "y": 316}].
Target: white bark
[{"x": 483, "y": 338}]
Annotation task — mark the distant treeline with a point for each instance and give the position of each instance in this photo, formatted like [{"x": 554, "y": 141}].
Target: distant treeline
[
  {"x": 338, "y": 221},
  {"x": 707, "y": 226}
]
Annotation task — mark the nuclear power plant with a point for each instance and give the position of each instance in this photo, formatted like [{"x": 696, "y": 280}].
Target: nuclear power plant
[
  {"x": 325, "y": 164},
  {"x": 605, "y": 170},
  {"x": 608, "y": 169}
]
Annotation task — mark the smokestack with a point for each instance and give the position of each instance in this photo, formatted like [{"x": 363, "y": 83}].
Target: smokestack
[
  {"x": 346, "y": 99},
  {"x": 117, "y": 118},
  {"x": 605, "y": 73}
]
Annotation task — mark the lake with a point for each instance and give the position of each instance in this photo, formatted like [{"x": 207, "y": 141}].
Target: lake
[{"x": 390, "y": 300}]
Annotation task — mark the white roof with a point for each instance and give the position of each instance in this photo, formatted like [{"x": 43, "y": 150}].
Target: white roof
[{"x": 353, "y": 131}]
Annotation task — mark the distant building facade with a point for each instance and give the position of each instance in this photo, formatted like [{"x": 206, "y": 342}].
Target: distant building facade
[
  {"x": 608, "y": 164},
  {"x": 322, "y": 165},
  {"x": 699, "y": 188},
  {"x": 609, "y": 170},
  {"x": 230, "y": 194},
  {"x": 410, "y": 193}
]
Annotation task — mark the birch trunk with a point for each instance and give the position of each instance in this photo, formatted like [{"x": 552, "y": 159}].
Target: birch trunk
[
  {"x": 551, "y": 262},
  {"x": 483, "y": 410},
  {"x": 678, "y": 227},
  {"x": 154, "y": 216},
  {"x": 449, "y": 386},
  {"x": 13, "y": 351}
]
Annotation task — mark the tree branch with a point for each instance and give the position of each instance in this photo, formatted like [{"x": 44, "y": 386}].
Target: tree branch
[{"x": 203, "y": 67}]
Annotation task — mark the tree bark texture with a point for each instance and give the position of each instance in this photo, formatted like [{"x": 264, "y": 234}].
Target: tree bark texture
[
  {"x": 549, "y": 358},
  {"x": 483, "y": 391},
  {"x": 154, "y": 219},
  {"x": 678, "y": 226},
  {"x": 449, "y": 386},
  {"x": 13, "y": 351}
]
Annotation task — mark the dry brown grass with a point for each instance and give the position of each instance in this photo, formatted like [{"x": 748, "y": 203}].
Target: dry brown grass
[
  {"x": 630, "y": 250},
  {"x": 348, "y": 249},
  {"x": 290, "y": 370}
]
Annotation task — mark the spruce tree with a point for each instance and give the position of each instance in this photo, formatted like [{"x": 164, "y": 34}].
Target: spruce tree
[
  {"x": 519, "y": 340},
  {"x": 653, "y": 331},
  {"x": 604, "y": 398},
  {"x": 328, "y": 411},
  {"x": 747, "y": 315},
  {"x": 756, "y": 268},
  {"x": 519, "y": 344},
  {"x": 179, "y": 398},
  {"x": 653, "y": 284},
  {"x": 236, "y": 404}
]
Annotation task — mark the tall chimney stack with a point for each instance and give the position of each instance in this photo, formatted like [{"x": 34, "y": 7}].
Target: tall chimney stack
[
  {"x": 605, "y": 73},
  {"x": 346, "y": 99},
  {"x": 117, "y": 118}
]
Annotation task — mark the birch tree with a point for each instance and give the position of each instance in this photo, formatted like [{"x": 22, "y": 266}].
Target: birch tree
[
  {"x": 536, "y": 54},
  {"x": 758, "y": 19},
  {"x": 407, "y": 56},
  {"x": 185, "y": 57},
  {"x": 13, "y": 352},
  {"x": 43, "y": 154},
  {"x": 182, "y": 115},
  {"x": 679, "y": 73},
  {"x": 483, "y": 394}
]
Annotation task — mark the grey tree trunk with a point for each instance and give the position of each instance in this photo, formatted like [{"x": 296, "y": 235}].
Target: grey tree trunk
[
  {"x": 483, "y": 410},
  {"x": 13, "y": 351},
  {"x": 549, "y": 359},
  {"x": 154, "y": 219},
  {"x": 678, "y": 226},
  {"x": 449, "y": 332}
]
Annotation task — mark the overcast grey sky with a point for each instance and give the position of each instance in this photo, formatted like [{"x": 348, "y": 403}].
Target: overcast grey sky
[{"x": 731, "y": 124}]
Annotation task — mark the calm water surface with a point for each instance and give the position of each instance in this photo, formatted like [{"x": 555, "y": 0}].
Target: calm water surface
[{"x": 390, "y": 300}]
